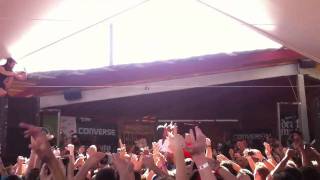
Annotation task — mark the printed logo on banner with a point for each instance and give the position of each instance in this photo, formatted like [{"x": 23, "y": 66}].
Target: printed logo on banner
[
  {"x": 288, "y": 124},
  {"x": 103, "y": 135},
  {"x": 288, "y": 121},
  {"x": 97, "y": 131},
  {"x": 68, "y": 125}
]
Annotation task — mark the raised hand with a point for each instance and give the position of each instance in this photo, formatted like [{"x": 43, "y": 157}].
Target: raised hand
[
  {"x": 258, "y": 155},
  {"x": 40, "y": 145},
  {"x": 267, "y": 148},
  {"x": 221, "y": 157},
  {"x": 196, "y": 145},
  {"x": 176, "y": 142},
  {"x": 148, "y": 162},
  {"x": 20, "y": 160},
  {"x": 44, "y": 173},
  {"x": 122, "y": 149},
  {"x": 70, "y": 148},
  {"x": 196, "y": 142},
  {"x": 231, "y": 153},
  {"x": 155, "y": 148},
  {"x": 188, "y": 139},
  {"x": 208, "y": 142},
  {"x": 173, "y": 128},
  {"x": 123, "y": 166},
  {"x": 89, "y": 164},
  {"x": 21, "y": 76},
  {"x": 137, "y": 162}
]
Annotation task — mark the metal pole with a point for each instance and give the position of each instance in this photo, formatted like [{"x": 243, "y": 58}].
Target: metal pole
[
  {"x": 111, "y": 44},
  {"x": 59, "y": 128},
  {"x": 279, "y": 121},
  {"x": 302, "y": 108}
]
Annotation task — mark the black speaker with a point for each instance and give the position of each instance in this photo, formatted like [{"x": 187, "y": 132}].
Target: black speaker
[
  {"x": 72, "y": 94},
  {"x": 23, "y": 110},
  {"x": 307, "y": 63},
  {"x": 3, "y": 123},
  {"x": 19, "y": 110}
]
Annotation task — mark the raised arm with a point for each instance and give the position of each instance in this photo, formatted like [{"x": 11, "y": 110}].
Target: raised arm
[
  {"x": 221, "y": 157},
  {"x": 124, "y": 167},
  {"x": 89, "y": 164},
  {"x": 268, "y": 152},
  {"x": 7, "y": 73},
  {"x": 197, "y": 149},
  {"x": 148, "y": 162},
  {"x": 41, "y": 146},
  {"x": 32, "y": 160},
  {"x": 70, "y": 148},
  {"x": 209, "y": 153},
  {"x": 282, "y": 164},
  {"x": 176, "y": 145},
  {"x": 21, "y": 76}
]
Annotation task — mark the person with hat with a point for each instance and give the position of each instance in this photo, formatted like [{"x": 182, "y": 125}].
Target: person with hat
[{"x": 7, "y": 76}]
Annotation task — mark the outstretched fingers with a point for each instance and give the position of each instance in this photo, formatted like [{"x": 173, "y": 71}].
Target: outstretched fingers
[
  {"x": 199, "y": 133},
  {"x": 30, "y": 130},
  {"x": 192, "y": 138}
]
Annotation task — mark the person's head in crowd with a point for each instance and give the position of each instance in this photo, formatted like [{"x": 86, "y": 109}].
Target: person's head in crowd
[
  {"x": 228, "y": 165},
  {"x": 276, "y": 148},
  {"x": 242, "y": 161},
  {"x": 75, "y": 140},
  {"x": 56, "y": 152},
  {"x": 91, "y": 150},
  {"x": 82, "y": 149},
  {"x": 21, "y": 160},
  {"x": 13, "y": 177},
  {"x": 9, "y": 65},
  {"x": 261, "y": 172},
  {"x": 310, "y": 173},
  {"x": 291, "y": 164},
  {"x": 241, "y": 144},
  {"x": 195, "y": 176},
  {"x": 245, "y": 174},
  {"x": 33, "y": 174},
  {"x": 137, "y": 176},
  {"x": 106, "y": 173},
  {"x": 295, "y": 139},
  {"x": 162, "y": 178},
  {"x": 254, "y": 153},
  {"x": 288, "y": 174}
]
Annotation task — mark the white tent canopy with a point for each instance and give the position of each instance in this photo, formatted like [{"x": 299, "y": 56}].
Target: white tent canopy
[
  {"x": 293, "y": 23},
  {"x": 152, "y": 30}
]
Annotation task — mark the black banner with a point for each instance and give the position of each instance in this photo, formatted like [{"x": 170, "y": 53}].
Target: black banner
[
  {"x": 103, "y": 135},
  {"x": 288, "y": 121}
]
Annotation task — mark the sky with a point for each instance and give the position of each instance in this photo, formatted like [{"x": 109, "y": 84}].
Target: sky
[{"x": 155, "y": 31}]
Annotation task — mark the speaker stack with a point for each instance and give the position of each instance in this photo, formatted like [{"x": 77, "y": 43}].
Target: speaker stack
[{"x": 13, "y": 111}]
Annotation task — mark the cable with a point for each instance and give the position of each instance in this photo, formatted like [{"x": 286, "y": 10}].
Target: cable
[
  {"x": 294, "y": 93},
  {"x": 147, "y": 87},
  {"x": 85, "y": 28}
]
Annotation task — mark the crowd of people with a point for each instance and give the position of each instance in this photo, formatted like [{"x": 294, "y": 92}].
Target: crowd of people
[{"x": 175, "y": 156}]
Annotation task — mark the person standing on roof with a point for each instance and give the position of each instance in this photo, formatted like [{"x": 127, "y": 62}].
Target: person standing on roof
[{"x": 7, "y": 76}]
